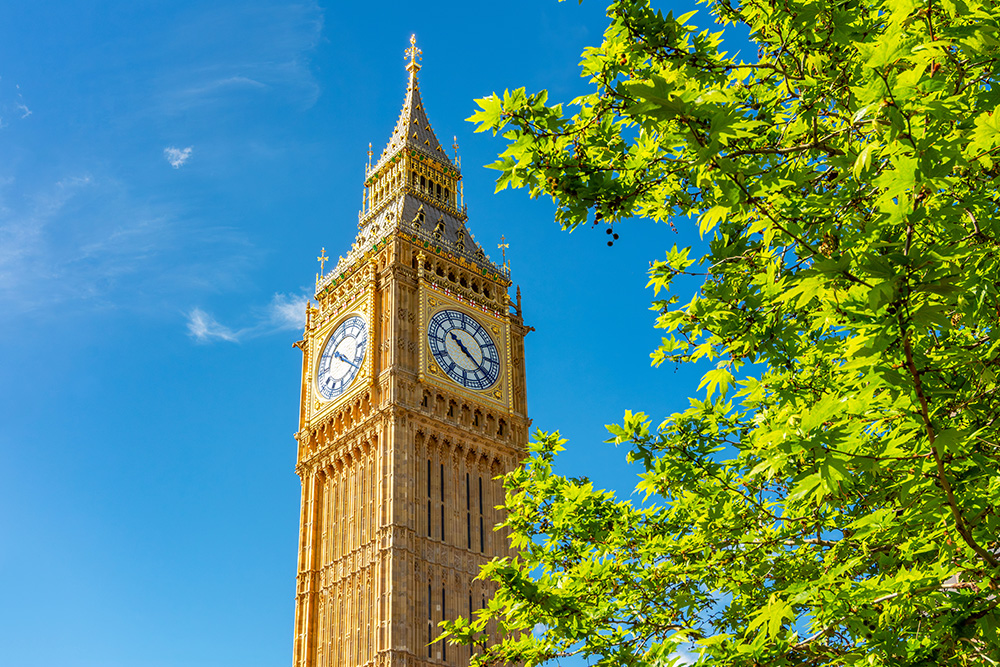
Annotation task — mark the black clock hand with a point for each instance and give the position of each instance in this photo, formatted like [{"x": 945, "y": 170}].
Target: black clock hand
[
  {"x": 345, "y": 359},
  {"x": 463, "y": 348}
]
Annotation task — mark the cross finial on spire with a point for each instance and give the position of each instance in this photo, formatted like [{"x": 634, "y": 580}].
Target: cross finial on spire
[
  {"x": 322, "y": 259},
  {"x": 503, "y": 248},
  {"x": 458, "y": 160},
  {"x": 413, "y": 53}
]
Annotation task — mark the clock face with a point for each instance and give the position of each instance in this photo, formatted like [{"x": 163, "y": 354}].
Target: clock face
[
  {"x": 342, "y": 357},
  {"x": 463, "y": 349}
]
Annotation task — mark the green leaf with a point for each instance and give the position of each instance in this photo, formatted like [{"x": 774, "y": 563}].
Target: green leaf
[{"x": 719, "y": 378}]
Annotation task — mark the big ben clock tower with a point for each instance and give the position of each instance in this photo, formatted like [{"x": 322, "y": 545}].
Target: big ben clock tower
[{"x": 413, "y": 402}]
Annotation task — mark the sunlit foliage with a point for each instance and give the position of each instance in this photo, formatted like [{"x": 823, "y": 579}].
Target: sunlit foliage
[{"x": 832, "y": 495}]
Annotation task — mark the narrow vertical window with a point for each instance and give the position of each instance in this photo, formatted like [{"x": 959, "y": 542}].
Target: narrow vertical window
[
  {"x": 430, "y": 620},
  {"x": 429, "y": 533},
  {"x": 444, "y": 645},
  {"x": 357, "y": 638},
  {"x": 468, "y": 514},
  {"x": 442, "y": 502},
  {"x": 482, "y": 541}
]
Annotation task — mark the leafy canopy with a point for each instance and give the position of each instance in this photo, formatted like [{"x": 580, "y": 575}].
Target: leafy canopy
[{"x": 833, "y": 495}]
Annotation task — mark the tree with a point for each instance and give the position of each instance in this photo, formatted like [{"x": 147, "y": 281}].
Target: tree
[{"x": 833, "y": 495}]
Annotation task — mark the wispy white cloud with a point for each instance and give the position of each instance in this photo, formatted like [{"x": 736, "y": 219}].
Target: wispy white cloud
[
  {"x": 21, "y": 106},
  {"x": 177, "y": 156},
  {"x": 244, "y": 49},
  {"x": 223, "y": 85},
  {"x": 15, "y": 106},
  {"x": 285, "y": 312},
  {"x": 203, "y": 328},
  {"x": 86, "y": 243}
]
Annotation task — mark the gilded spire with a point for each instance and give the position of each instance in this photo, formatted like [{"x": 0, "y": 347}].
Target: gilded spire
[
  {"x": 413, "y": 53},
  {"x": 414, "y": 189},
  {"x": 413, "y": 130}
]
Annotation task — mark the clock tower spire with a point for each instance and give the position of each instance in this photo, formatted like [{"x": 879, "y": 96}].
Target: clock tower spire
[{"x": 413, "y": 401}]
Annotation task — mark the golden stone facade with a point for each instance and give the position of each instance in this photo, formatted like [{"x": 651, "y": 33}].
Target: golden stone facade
[{"x": 413, "y": 402}]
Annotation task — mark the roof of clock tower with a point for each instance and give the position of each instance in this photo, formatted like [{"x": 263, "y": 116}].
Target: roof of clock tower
[
  {"x": 397, "y": 201},
  {"x": 413, "y": 130}
]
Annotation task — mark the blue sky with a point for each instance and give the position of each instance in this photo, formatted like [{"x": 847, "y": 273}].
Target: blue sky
[{"x": 168, "y": 174}]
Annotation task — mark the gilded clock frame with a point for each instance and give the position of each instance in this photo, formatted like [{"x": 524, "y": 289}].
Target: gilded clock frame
[
  {"x": 319, "y": 405},
  {"x": 433, "y": 300}
]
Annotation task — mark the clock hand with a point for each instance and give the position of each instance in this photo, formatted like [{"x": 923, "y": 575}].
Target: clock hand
[
  {"x": 463, "y": 348},
  {"x": 345, "y": 359}
]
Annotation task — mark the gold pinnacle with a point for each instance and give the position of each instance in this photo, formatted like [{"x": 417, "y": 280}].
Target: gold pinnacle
[
  {"x": 414, "y": 55},
  {"x": 503, "y": 248},
  {"x": 322, "y": 260}
]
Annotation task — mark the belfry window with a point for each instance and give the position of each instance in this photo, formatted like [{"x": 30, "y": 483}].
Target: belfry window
[
  {"x": 471, "y": 648},
  {"x": 429, "y": 496}
]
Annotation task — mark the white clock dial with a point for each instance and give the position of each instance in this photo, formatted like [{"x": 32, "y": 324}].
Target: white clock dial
[
  {"x": 463, "y": 349},
  {"x": 342, "y": 357}
]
